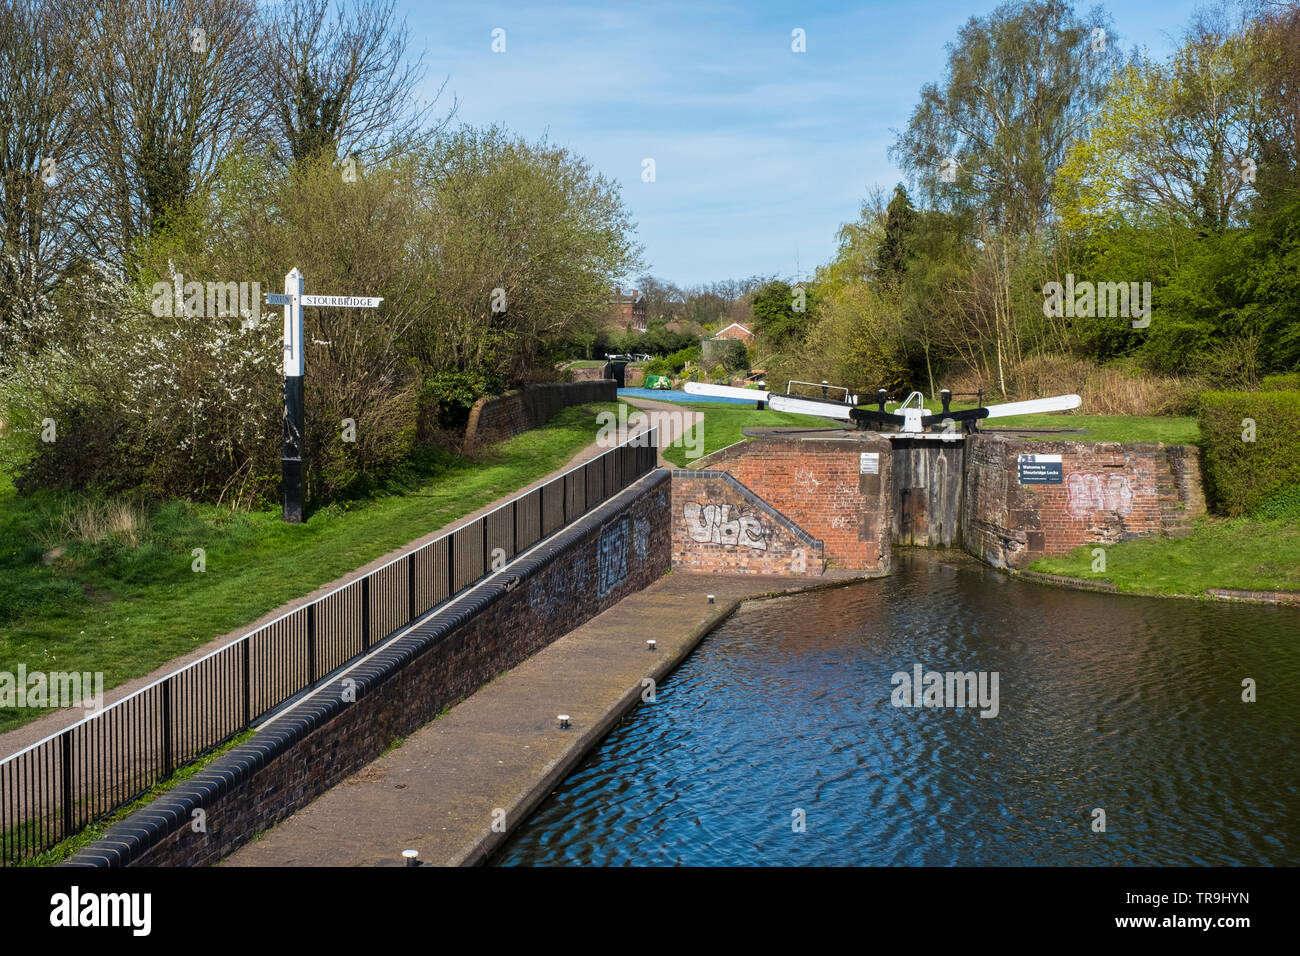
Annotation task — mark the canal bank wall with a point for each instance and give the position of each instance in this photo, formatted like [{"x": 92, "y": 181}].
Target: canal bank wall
[
  {"x": 1101, "y": 493},
  {"x": 1005, "y": 500},
  {"x": 619, "y": 548},
  {"x": 836, "y": 489}
]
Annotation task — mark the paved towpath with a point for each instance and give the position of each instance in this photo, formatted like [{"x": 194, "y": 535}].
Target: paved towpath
[{"x": 502, "y": 748}]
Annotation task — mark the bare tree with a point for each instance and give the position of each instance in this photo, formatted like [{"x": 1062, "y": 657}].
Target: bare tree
[
  {"x": 170, "y": 87},
  {"x": 340, "y": 82},
  {"x": 41, "y": 163}
]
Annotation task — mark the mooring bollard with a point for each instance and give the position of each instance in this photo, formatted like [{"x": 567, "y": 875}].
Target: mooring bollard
[
  {"x": 650, "y": 645},
  {"x": 710, "y": 598},
  {"x": 412, "y": 857},
  {"x": 564, "y": 721}
]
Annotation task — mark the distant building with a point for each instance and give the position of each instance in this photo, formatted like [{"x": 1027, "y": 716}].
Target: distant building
[
  {"x": 628, "y": 312},
  {"x": 736, "y": 331}
]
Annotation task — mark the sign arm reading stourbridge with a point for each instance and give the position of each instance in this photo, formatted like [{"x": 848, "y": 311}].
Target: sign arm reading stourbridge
[{"x": 293, "y": 300}]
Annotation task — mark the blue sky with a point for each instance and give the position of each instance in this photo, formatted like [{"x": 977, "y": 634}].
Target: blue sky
[{"x": 760, "y": 153}]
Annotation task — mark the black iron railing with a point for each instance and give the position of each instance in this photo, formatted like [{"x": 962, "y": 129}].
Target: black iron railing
[{"x": 55, "y": 788}]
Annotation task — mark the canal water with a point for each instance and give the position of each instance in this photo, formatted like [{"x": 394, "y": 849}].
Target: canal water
[{"x": 778, "y": 742}]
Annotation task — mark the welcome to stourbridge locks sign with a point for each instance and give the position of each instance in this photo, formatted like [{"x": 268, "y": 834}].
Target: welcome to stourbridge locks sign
[
  {"x": 294, "y": 300},
  {"x": 1039, "y": 469}
]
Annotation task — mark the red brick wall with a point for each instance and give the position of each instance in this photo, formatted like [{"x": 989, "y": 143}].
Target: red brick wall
[
  {"x": 1109, "y": 492},
  {"x": 818, "y": 485},
  {"x": 718, "y": 525}
]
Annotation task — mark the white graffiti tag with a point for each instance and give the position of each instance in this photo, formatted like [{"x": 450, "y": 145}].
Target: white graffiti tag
[
  {"x": 708, "y": 523},
  {"x": 805, "y": 482},
  {"x": 1092, "y": 492}
]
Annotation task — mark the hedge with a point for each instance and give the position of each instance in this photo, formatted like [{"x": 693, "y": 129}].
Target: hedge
[
  {"x": 1240, "y": 475},
  {"x": 1286, "y": 382}
]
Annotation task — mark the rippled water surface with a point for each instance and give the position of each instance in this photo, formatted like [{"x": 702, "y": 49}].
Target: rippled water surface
[{"x": 1132, "y": 705}]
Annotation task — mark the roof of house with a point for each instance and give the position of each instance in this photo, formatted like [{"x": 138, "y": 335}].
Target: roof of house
[{"x": 734, "y": 325}]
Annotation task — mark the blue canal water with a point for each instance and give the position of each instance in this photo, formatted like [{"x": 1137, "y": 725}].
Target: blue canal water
[
  {"x": 678, "y": 395},
  {"x": 785, "y": 714}
]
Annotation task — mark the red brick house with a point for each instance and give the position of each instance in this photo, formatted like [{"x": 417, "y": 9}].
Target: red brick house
[
  {"x": 736, "y": 331},
  {"x": 628, "y": 312}
]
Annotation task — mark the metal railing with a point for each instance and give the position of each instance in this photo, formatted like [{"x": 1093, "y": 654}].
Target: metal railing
[{"x": 58, "y": 786}]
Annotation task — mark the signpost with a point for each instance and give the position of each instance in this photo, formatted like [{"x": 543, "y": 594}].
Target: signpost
[{"x": 293, "y": 301}]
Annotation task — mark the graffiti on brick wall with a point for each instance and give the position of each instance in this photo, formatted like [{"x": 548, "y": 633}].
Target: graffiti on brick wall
[
  {"x": 611, "y": 556},
  {"x": 550, "y": 594},
  {"x": 805, "y": 482},
  {"x": 1089, "y": 493},
  {"x": 641, "y": 539},
  {"x": 722, "y": 524}
]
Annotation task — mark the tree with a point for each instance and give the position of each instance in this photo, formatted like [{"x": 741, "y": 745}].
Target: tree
[
  {"x": 521, "y": 243},
  {"x": 340, "y": 83},
  {"x": 167, "y": 88},
  {"x": 1177, "y": 139},
  {"x": 778, "y": 316},
  {"x": 900, "y": 218},
  {"x": 1018, "y": 91},
  {"x": 664, "y": 301},
  {"x": 41, "y": 168}
]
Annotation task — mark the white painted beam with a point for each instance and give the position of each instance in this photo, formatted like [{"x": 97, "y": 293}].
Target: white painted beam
[{"x": 1057, "y": 403}]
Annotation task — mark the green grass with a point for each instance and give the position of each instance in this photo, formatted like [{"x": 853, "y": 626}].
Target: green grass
[
  {"x": 722, "y": 426},
  {"x": 1172, "y": 430},
  {"x": 1168, "y": 429},
  {"x": 1248, "y": 553},
  {"x": 126, "y": 610},
  {"x": 68, "y": 848}
]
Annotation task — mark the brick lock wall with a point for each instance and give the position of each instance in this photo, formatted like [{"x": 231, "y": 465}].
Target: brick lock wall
[
  {"x": 1109, "y": 492},
  {"x": 619, "y": 548},
  {"x": 818, "y": 485},
  {"x": 719, "y": 525}
]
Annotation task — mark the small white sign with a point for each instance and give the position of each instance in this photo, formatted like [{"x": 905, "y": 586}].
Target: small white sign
[
  {"x": 869, "y": 463},
  {"x": 342, "y": 301}
]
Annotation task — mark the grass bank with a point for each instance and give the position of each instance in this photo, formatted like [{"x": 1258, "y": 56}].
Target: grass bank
[
  {"x": 120, "y": 594},
  {"x": 722, "y": 426},
  {"x": 1170, "y": 429},
  {"x": 1248, "y": 553}
]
